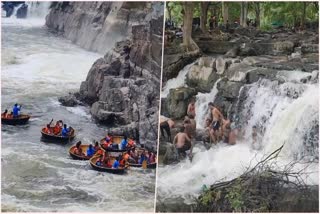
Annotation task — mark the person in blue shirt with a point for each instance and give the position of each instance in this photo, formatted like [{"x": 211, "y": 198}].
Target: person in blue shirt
[
  {"x": 65, "y": 131},
  {"x": 142, "y": 157},
  {"x": 115, "y": 164},
  {"x": 16, "y": 110},
  {"x": 90, "y": 151},
  {"x": 124, "y": 142}
]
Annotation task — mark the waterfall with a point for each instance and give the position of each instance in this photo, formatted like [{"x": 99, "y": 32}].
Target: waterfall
[
  {"x": 284, "y": 113},
  {"x": 178, "y": 81},
  {"x": 202, "y": 100},
  {"x": 38, "y": 9}
]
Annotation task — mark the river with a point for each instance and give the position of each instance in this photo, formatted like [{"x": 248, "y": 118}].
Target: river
[{"x": 37, "y": 68}]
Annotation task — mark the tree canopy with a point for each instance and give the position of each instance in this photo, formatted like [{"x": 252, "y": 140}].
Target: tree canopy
[{"x": 268, "y": 13}]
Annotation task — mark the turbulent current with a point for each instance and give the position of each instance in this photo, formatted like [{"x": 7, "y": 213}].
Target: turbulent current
[
  {"x": 285, "y": 113},
  {"x": 37, "y": 67}
]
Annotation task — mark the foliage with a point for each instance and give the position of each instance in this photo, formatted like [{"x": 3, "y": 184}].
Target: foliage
[{"x": 288, "y": 13}]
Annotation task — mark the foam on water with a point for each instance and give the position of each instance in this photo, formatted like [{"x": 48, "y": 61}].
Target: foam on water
[
  {"x": 201, "y": 105},
  {"x": 37, "y": 67},
  {"x": 178, "y": 81}
]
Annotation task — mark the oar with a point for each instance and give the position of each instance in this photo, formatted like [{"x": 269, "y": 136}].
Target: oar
[{"x": 144, "y": 164}]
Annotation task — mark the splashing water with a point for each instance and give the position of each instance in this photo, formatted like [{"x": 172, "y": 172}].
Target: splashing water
[
  {"x": 202, "y": 100},
  {"x": 178, "y": 81},
  {"x": 37, "y": 67},
  {"x": 283, "y": 113}
]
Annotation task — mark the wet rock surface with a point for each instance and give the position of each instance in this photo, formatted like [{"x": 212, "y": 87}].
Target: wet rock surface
[{"x": 123, "y": 86}]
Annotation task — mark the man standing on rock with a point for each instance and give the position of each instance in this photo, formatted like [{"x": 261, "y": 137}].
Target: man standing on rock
[
  {"x": 182, "y": 142},
  {"x": 217, "y": 119},
  {"x": 191, "y": 111},
  {"x": 166, "y": 124},
  {"x": 190, "y": 127}
]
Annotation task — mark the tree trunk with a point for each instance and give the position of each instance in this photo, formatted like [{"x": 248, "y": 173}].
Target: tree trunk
[
  {"x": 257, "y": 10},
  {"x": 303, "y": 18},
  {"x": 187, "y": 23},
  {"x": 204, "y": 16},
  {"x": 169, "y": 10},
  {"x": 225, "y": 12},
  {"x": 243, "y": 14}
]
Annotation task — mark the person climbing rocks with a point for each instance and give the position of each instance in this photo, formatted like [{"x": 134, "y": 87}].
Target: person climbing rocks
[
  {"x": 191, "y": 111},
  {"x": 190, "y": 129},
  {"x": 182, "y": 142},
  {"x": 166, "y": 125},
  {"x": 16, "y": 110},
  {"x": 217, "y": 119}
]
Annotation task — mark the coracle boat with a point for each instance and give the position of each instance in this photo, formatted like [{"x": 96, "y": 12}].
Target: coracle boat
[
  {"x": 120, "y": 170},
  {"x": 55, "y": 138},
  {"x": 149, "y": 166},
  {"x": 115, "y": 139},
  {"x": 21, "y": 120},
  {"x": 79, "y": 157}
]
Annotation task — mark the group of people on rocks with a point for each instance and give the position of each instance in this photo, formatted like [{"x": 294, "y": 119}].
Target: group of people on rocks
[
  {"x": 15, "y": 113},
  {"x": 58, "y": 129},
  {"x": 132, "y": 155},
  {"x": 217, "y": 129}
]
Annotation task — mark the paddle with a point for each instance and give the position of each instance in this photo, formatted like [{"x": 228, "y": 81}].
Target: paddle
[{"x": 144, "y": 164}]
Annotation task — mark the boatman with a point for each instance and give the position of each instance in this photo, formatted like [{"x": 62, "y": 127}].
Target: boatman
[
  {"x": 16, "y": 110},
  {"x": 65, "y": 131}
]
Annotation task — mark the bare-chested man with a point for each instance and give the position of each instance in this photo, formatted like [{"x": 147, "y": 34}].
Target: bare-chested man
[
  {"x": 182, "y": 141},
  {"x": 166, "y": 124},
  {"x": 191, "y": 111},
  {"x": 217, "y": 119}
]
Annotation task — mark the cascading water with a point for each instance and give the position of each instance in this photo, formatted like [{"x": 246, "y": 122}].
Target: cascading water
[
  {"x": 202, "y": 100},
  {"x": 37, "y": 67},
  {"x": 38, "y": 9},
  {"x": 178, "y": 81},
  {"x": 285, "y": 113}
]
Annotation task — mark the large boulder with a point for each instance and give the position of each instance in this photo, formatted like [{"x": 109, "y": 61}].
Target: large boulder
[
  {"x": 310, "y": 48},
  {"x": 178, "y": 100},
  {"x": 283, "y": 47},
  {"x": 69, "y": 100},
  {"x": 202, "y": 78}
]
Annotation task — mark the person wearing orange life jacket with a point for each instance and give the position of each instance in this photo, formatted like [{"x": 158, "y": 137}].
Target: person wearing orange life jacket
[
  {"x": 152, "y": 158},
  {"x": 122, "y": 161},
  {"x": 57, "y": 128},
  {"x": 106, "y": 143},
  {"x": 96, "y": 146},
  {"x": 131, "y": 143},
  {"x": 48, "y": 129},
  {"x": 5, "y": 114},
  {"x": 78, "y": 150},
  {"x": 108, "y": 138}
]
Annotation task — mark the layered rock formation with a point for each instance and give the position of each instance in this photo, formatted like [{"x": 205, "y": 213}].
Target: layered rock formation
[
  {"x": 122, "y": 87},
  {"x": 96, "y": 26}
]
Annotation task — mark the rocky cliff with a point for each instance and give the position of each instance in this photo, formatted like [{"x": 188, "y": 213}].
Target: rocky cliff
[
  {"x": 123, "y": 87},
  {"x": 96, "y": 26}
]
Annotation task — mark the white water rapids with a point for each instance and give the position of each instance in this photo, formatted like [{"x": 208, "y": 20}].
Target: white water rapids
[
  {"x": 37, "y": 67},
  {"x": 284, "y": 114}
]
